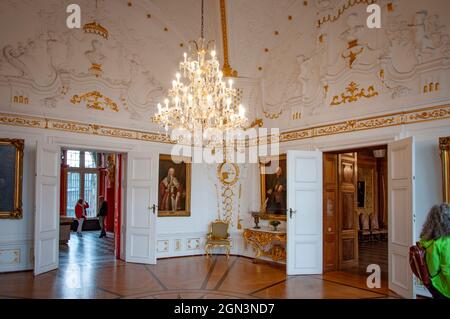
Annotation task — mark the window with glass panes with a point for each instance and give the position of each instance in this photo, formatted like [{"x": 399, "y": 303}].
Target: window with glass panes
[{"x": 82, "y": 180}]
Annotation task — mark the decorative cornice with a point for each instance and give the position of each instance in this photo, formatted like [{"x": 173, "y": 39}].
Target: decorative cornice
[
  {"x": 400, "y": 118},
  {"x": 394, "y": 119},
  {"x": 226, "y": 69},
  {"x": 78, "y": 127}
]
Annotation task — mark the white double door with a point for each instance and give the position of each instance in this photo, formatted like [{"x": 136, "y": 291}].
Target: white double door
[
  {"x": 140, "y": 215},
  {"x": 304, "y": 220}
]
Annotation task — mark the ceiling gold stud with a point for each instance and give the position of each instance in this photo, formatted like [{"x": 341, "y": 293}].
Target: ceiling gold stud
[
  {"x": 266, "y": 50},
  {"x": 130, "y": 3},
  {"x": 149, "y": 15},
  {"x": 276, "y": 33},
  {"x": 289, "y": 17}
]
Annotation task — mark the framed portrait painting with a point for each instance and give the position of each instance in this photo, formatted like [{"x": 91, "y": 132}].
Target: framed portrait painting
[
  {"x": 11, "y": 168},
  {"x": 174, "y": 187},
  {"x": 273, "y": 188}
]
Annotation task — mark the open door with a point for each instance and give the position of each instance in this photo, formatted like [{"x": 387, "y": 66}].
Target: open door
[
  {"x": 401, "y": 215},
  {"x": 140, "y": 234},
  {"x": 304, "y": 216},
  {"x": 348, "y": 220},
  {"x": 46, "y": 221}
]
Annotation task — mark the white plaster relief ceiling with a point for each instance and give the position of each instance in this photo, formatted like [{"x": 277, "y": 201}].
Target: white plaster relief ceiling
[
  {"x": 256, "y": 26},
  {"x": 343, "y": 70},
  {"x": 48, "y": 64}
]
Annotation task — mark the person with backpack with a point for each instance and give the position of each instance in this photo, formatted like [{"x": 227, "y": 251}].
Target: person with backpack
[{"x": 435, "y": 240}]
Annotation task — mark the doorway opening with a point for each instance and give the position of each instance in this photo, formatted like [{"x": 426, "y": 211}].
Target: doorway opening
[
  {"x": 355, "y": 215},
  {"x": 96, "y": 178}
]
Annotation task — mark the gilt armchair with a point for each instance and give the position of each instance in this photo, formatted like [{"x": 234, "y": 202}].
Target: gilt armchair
[{"x": 218, "y": 236}]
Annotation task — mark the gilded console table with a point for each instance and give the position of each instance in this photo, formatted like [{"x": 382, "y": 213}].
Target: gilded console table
[{"x": 267, "y": 242}]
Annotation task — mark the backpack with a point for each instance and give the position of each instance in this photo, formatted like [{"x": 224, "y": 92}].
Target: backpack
[{"x": 418, "y": 263}]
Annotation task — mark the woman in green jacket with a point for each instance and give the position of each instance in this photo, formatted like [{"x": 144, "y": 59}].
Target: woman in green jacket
[{"x": 435, "y": 238}]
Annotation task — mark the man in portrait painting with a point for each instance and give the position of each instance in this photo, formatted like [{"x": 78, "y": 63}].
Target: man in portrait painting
[
  {"x": 170, "y": 192},
  {"x": 276, "y": 193}
]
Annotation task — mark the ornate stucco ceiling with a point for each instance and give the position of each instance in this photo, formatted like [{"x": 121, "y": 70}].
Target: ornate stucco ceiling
[{"x": 290, "y": 69}]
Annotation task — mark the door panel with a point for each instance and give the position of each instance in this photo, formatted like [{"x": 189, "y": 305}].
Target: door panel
[
  {"x": 304, "y": 224},
  {"x": 348, "y": 229},
  {"x": 330, "y": 207},
  {"x": 140, "y": 217},
  {"x": 46, "y": 225},
  {"x": 401, "y": 212}
]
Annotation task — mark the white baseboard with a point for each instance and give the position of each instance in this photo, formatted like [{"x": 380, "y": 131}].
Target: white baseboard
[{"x": 16, "y": 256}]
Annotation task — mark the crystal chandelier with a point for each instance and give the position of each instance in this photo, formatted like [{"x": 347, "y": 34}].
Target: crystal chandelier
[{"x": 200, "y": 98}]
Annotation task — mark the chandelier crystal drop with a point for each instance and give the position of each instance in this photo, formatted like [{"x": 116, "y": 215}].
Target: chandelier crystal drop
[{"x": 200, "y": 97}]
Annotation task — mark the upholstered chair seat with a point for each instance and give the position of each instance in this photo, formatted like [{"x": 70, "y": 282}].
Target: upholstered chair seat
[{"x": 218, "y": 237}]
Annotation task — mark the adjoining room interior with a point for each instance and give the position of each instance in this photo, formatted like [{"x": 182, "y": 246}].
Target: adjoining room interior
[
  {"x": 89, "y": 175},
  {"x": 355, "y": 214}
]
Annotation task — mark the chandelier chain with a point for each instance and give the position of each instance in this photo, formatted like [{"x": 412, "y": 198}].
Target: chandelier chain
[{"x": 202, "y": 30}]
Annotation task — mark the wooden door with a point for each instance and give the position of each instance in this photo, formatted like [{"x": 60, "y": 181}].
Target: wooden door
[
  {"x": 330, "y": 212},
  {"x": 348, "y": 224}
]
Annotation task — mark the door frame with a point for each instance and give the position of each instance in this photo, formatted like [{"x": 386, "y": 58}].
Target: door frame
[
  {"x": 345, "y": 148},
  {"x": 68, "y": 143}
]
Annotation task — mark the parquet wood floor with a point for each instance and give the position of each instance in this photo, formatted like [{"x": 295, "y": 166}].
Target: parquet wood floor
[{"x": 88, "y": 269}]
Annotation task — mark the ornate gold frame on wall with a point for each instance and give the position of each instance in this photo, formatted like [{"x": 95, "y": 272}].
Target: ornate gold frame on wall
[
  {"x": 444, "y": 146},
  {"x": 17, "y": 212},
  {"x": 187, "y": 211},
  {"x": 263, "y": 213}
]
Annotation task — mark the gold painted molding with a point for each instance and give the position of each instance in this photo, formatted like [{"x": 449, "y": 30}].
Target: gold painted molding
[
  {"x": 444, "y": 147},
  {"x": 341, "y": 10},
  {"x": 394, "y": 119},
  {"x": 226, "y": 69},
  {"x": 78, "y": 127},
  {"x": 433, "y": 113}
]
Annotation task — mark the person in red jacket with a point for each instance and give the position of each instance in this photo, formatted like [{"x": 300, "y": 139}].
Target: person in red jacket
[{"x": 80, "y": 213}]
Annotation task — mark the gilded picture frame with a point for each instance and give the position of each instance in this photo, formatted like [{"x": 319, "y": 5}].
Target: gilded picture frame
[
  {"x": 11, "y": 177},
  {"x": 174, "y": 186},
  {"x": 444, "y": 147},
  {"x": 265, "y": 211}
]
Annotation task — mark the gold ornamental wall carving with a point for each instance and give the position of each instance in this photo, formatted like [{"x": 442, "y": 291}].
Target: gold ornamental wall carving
[
  {"x": 353, "y": 93},
  {"x": 95, "y": 100}
]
